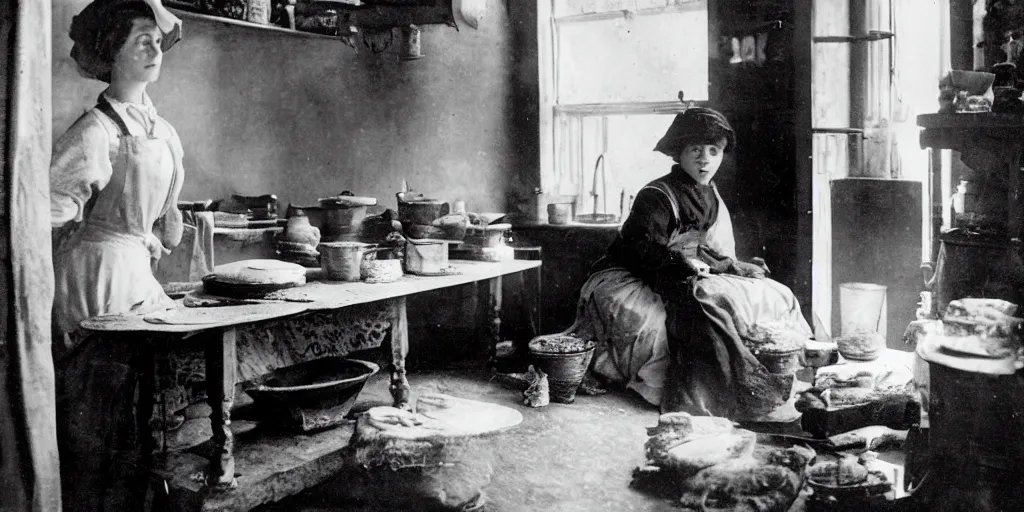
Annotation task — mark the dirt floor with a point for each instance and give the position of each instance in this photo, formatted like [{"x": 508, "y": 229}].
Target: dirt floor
[
  {"x": 576, "y": 457},
  {"x": 566, "y": 458}
]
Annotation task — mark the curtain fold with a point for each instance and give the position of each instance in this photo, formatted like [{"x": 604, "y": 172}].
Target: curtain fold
[{"x": 29, "y": 467}]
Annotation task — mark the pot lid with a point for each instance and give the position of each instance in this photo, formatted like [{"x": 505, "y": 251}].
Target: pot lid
[
  {"x": 422, "y": 203},
  {"x": 501, "y": 226},
  {"x": 431, "y": 241},
  {"x": 488, "y": 217},
  {"x": 347, "y": 201}
]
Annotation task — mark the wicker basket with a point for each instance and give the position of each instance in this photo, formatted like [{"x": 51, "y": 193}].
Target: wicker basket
[
  {"x": 565, "y": 371},
  {"x": 781, "y": 363}
]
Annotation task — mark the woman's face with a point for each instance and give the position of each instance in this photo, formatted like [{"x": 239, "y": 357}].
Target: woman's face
[
  {"x": 701, "y": 161},
  {"x": 140, "y": 57}
]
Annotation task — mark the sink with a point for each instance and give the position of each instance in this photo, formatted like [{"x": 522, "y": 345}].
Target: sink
[{"x": 597, "y": 218}]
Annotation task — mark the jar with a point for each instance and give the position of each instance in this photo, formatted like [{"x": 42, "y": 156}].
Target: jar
[
  {"x": 258, "y": 11},
  {"x": 299, "y": 230}
]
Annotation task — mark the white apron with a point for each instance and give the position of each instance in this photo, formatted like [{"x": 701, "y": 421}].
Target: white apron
[{"x": 106, "y": 267}]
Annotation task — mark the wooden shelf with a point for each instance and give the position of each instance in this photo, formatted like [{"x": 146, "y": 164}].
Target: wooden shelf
[
  {"x": 967, "y": 131},
  {"x": 874, "y": 35},
  {"x": 838, "y": 130},
  {"x": 269, "y": 467},
  {"x": 249, "y": 25},
  {"x": 983, "y": 120}
]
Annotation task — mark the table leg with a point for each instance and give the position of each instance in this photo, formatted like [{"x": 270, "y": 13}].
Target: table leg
[
  {"x": 149, "y": 437},
  {"x": 495, "y": 314},
  {"x": 489, "y": 295},
  {"x": 538, "y": 326},
  {"x": 398, "y": 346},
  {"x": 146, "y": 406},
  {"x": 536, "y": 319},
  {"x": 221, "y": 364}
]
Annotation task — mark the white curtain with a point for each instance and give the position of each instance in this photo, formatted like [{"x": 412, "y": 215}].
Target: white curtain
[{"x": 29, "y": 467}]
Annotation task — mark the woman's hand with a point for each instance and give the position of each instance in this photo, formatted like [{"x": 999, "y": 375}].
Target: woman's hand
[
  {"x": 744, "y": 269},
  {"x": 169, "y": 228}
]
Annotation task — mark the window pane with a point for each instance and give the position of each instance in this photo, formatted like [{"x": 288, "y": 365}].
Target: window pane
[
  {"x": 572, "y": 7},
  {"x": 646, "y": 57},
  {"x": 629, "y": 163}
]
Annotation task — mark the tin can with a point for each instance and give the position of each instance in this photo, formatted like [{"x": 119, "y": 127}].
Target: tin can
[{"x": 410, "y": 49}]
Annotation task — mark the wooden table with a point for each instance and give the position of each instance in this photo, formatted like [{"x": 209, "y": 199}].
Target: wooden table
[{"x": 318, "y": 295}]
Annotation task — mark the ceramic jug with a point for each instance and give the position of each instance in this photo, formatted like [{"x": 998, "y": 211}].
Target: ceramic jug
[{"x": 299, "y": 230}]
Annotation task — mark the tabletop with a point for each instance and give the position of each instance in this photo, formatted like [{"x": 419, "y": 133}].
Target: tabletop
[{"x": 316, "y": 295}]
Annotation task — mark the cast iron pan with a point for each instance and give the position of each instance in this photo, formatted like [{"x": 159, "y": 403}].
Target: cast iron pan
[{"x": 212, "y": 286}]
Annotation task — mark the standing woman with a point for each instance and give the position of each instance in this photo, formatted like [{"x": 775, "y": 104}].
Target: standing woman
[{"x": 114, "y": 183}]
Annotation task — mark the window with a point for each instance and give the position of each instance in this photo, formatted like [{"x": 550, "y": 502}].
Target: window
[
  {"x": 611, "y": 73},
  {"x": 896, "y": 79}
]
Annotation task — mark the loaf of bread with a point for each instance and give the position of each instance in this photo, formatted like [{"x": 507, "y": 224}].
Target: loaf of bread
[
  {"x": 864, "y": 346},
  {"x": 846, "y": 471},
  {"x": 256, "y": 272},
  {"x": 677, "y": 428},
  {"x": 972, "y": 307},
  {"x": 692, "y": 456},
  {"x": 850, "y": 376},
  {"x": 769, "y": 480}
]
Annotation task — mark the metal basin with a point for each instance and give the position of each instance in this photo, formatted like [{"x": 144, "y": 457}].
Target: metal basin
[{"x": 320, "y": 383}]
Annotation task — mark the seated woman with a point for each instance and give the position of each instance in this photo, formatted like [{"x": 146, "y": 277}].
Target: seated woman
[{"x": 670, "y": 302}]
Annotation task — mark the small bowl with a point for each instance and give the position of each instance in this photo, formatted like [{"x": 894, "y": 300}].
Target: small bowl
[
  {"x": 974, "y": 82},
  {"x": 820, "y": 353}
]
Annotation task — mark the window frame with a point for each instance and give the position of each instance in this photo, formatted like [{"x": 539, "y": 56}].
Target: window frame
[{"x": 551, "y": 183}]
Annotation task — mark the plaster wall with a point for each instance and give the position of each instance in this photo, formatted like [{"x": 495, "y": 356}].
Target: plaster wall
[{"x": 261, "y": 112}]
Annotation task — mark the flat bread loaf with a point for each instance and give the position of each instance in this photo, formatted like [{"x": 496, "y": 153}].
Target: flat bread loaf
[{"x": 257, "y": 272}]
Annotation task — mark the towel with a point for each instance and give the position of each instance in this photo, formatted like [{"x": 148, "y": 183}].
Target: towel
[
  {"x": 193, "y": 257},
  {"x": 202, "y": 247}
]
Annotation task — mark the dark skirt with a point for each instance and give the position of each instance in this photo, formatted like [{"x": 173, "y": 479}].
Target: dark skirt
[{"x": 711, "y": 371}]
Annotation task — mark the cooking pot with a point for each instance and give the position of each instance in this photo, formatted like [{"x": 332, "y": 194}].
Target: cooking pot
[
  {"x": 343, "y": 261},
  {"x": 421, "y": 211},
  {"x": 343, "y": 215},
  {"x": 487, "y": 236}
]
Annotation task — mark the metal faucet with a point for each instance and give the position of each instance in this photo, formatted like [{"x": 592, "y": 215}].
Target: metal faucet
[{"x": 604, "y": 183}]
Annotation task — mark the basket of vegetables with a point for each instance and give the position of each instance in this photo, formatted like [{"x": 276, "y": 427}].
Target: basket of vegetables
[
  {"x": 777, "y": 346},
  {"x": 565, "y": 359}
]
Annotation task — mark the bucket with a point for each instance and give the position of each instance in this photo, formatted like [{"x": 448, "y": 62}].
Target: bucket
[
  {"x": 863, "y": 309},
  {"x": 342, "y": 261},
  {"x": 565, "y": 372}
]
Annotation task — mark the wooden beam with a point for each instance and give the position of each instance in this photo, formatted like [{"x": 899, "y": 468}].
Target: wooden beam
[{"x": 803, "y": 12}]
